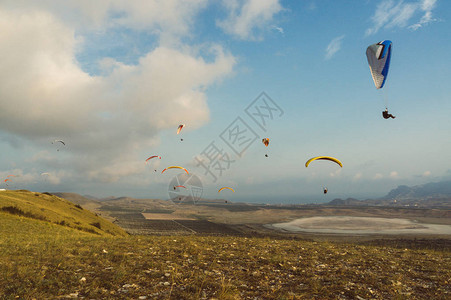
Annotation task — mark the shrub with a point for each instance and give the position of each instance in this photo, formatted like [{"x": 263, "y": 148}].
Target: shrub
[
  {"x": 96, "y": 224},
  {"x": 17, "y": 211}
]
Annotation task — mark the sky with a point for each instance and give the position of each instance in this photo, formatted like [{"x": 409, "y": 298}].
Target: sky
[{"x": 114, "y": 79}]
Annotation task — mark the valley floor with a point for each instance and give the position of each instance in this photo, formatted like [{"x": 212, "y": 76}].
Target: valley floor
[{"x": 49, "y": 262}]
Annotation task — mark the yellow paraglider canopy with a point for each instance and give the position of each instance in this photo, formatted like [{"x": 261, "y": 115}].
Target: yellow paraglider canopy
[
  {"x": 175, "y": 167},
  {"x": 323, "y": 158},
  {"x": 226, "y": 188}
]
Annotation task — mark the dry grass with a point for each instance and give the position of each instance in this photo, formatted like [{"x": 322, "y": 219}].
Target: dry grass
[
  {"x": 43, "y": 260},
  {"x": 56, "y": 210},
  {"x": 57, "y": 261}
]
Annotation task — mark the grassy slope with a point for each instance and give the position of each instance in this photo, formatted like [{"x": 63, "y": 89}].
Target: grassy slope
[
  {"x": 89, "y": 204},
  {"x": 58, "y": 211},
  {"x": 43, "y": 260}
]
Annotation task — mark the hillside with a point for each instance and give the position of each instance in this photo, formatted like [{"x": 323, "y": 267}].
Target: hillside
[
  {"x": 84, "y": 201},
  {"x": 42, "y": 260},
  {"x": 430, "y": 195},
  {"x": 429, "y": 190},
  {"x": 52, "y": 209}
]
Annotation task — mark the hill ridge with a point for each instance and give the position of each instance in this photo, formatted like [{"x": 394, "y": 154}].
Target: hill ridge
[{"x": 53, "y": 209}]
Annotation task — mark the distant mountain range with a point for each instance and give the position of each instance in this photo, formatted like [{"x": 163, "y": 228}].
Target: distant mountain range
[
  {"x": 434, "y": 194},
  {"x": 428, "y": 190}
]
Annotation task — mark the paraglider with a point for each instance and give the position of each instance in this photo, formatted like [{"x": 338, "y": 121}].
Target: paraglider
[
  {"x": 226, "y": 187},
  {"x": 328, "y": 158},
  {"x": 378, "y": 56},
  {"x": 45, "y": 176},
  {"x": 153, "y": 156},
  {"x": 6, "y": 181},
  {"x": 333, "y": 159},
  {"x": 179, "y": 186},
  {"x": 59, "y": 141},
  {"x": 175, "y": 167},
  {"x": 180, "y": 128},
  {"x": 265, "y": 142}
]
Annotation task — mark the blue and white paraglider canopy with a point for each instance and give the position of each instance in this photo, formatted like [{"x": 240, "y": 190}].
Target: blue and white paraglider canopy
[{"x": 378, "y": 56}]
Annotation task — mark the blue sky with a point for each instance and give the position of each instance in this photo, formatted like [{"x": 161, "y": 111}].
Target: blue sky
[{"x": 114, "y": 80}]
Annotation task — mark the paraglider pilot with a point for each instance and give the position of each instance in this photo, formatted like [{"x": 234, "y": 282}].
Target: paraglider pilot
[
  {"x": 387, "y": 115},
  {"x": 325, "y": 190}
]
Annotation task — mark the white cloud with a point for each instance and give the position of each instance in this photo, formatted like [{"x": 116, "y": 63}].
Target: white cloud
[
  {"x": 334, "y": 46},
  {"x": 393, "y": 174},
  {"x": 335, "y": 173},
  {"x": 279, "y": 29},
  {"x": 245, "y": 17},
  {"x": 105, "y": 120},
  {"x": 426, "y": 7},
  {"x": 390, "y": 14},
  {"x": 168, "y": 19},
  {"x": 378, "y": 176},
  {"x": 357, "y": 176}
]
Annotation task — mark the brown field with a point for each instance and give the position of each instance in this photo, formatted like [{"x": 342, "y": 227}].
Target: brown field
[
  {"x": 157, "y": 216},
  {"x": 193, "y": 255},
  {"x": 248, "y": 220}
]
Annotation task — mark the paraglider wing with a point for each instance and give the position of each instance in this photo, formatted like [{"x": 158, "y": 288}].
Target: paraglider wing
[
  {"x": 180, "y": 186},
  {"x": 226, "y": 188},
  {"x": 59, "y": 141},
  {"x": 265, "y": 141},
  {"x": 323, "y": 158},
  {"x": 175, "y": 167},
  {"x": 378, "y": 56},
  {"x": 153, "y": 156},
  {"x": 180, "y": 128}
]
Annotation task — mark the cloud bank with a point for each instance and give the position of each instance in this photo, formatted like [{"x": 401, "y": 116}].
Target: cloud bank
[{"x": 105, "y": 120}]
